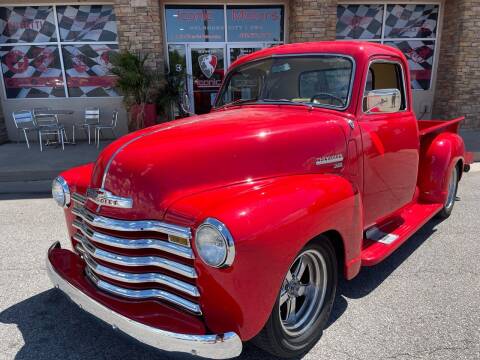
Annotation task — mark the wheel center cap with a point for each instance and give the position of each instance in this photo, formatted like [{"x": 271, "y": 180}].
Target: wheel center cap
[{"x": 293, "y": 288}]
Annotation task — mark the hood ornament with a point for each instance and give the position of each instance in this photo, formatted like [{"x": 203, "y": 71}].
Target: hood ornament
[{"x": 103, "y": 197}]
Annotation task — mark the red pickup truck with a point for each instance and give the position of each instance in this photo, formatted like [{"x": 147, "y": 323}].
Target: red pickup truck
[{"x": 200, "y": 234}]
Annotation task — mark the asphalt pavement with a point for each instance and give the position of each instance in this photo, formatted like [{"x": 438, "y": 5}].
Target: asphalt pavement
[{"x": 423, "y": 302}]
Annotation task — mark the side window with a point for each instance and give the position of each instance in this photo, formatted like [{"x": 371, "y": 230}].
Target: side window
[{"x": 385, "y": 75}]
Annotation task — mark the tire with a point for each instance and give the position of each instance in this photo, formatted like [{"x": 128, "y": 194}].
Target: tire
[
  {"x": 288, "y": 334},
  {"x": 451, "y": 195}
]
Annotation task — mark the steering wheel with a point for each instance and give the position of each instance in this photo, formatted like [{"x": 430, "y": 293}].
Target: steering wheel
[{"x": 328, "y": 95}]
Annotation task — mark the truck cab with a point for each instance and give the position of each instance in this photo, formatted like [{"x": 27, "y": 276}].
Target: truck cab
[{"x": 203, "y": 233}]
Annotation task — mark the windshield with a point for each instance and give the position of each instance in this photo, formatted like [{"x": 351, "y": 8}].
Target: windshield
[{"x": 318, "y": 80}]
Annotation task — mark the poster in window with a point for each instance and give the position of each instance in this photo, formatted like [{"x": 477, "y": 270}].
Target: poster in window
[
  {"x": 88, "y": 70},
  {"x": 255, "y": 23},
  {"x": 31, "y": 72},
  {"x": 411, "y": 21},
  {"x": 420, "y": 60},
  {"x": 195, "y": 23},
  {"x": 359, "y": 21},
  {"x": 27, "y": 24},
  {"x": 87, "y": 23}
]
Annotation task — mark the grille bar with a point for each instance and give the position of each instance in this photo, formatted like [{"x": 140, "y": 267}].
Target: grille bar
[
  {"x": 135, "y": 261},
  {"x": 144, "y": 294},
  {"x": 124, "y": 225},
  {"x": 138, "y": 278},
  {"x": 135, "y": 244}
]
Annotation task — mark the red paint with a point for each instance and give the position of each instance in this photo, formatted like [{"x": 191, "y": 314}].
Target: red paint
[{"x": 254, "y": 168}]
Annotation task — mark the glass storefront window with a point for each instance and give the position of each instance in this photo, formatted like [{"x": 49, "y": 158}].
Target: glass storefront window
[
  {"x": 195, "y": 23},
  {"x": 32, "y": 71},
  {"x": 255, "y": 23},
  {"x": 32, "y": 55},
  {"x": 359, "y": 21},
  {"x": 412, "y": 28}
]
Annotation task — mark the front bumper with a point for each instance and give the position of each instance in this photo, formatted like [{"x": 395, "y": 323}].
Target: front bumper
[{"x": 221, "y": 346}]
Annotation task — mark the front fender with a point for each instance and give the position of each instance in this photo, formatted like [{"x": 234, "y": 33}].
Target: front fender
[
  {"x": 439, "y": 154},
  {"x": 270, "y": 220}
]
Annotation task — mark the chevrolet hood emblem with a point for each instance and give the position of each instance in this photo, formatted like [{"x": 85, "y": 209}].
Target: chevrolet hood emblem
[{"x": 103, "y": 197}]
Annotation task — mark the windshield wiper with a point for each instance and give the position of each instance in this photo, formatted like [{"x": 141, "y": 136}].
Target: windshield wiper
[
  {"x": 238, "y": 102},
  {"x": 287, "y": 101}
]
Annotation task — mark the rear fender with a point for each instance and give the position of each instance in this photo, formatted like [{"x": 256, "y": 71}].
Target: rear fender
[
  {"x": 439, "y": 154},
  {"x": 270, "y": 221}
]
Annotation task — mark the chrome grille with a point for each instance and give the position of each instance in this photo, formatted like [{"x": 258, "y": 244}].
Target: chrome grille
[{"x": 164, "y": 271}]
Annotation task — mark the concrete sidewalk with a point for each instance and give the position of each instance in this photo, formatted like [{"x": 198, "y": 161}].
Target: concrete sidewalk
[{"x": 25, "y": 170}]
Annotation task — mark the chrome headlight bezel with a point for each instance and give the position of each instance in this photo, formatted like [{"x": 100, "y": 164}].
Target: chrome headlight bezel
[
  {"x": 62, "y": 198},
  {"x": 228, "y": 243}
]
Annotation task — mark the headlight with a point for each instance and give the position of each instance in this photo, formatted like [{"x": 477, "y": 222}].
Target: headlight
[
  {"x": 215, "y": 243},
  {"x": 60, "y": 192}
]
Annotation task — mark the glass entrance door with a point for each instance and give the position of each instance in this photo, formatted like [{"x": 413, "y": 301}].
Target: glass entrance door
[{"x": 207, "y": 67}]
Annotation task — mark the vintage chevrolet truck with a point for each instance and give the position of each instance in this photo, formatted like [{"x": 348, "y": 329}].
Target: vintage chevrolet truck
[{"x": 203, "y": 233}]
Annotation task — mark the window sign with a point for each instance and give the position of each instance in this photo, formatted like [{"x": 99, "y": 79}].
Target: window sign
[
  {"x": 236, "y": 52},
  {"x": 411, "y": 21},
  {"x": 195, "y": 23},
  {"x": 32, "y": 56},
  {"x": 255, "y": 23},
  {"x": 359, "y": 21}
]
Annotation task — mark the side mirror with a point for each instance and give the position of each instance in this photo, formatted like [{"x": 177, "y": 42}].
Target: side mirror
[
  {"x": 185, "y": 104},
  {"x": 383, "y": 101}
]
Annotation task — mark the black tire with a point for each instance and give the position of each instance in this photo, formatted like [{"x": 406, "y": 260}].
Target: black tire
[
  {"x": 274, "y": 337},
  {"x": 451, "y": 195}
]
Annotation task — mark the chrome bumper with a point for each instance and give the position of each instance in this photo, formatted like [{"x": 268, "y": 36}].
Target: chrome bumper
[{"x": 221, "y": 346}]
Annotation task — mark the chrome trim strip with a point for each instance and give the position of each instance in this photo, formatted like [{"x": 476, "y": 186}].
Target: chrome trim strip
[
  {"x": 136, "y": 244},
  {"x": 138, "y": 278},
  {"x": 78, "y": 198},
  {"x": 215, "y": 346},
  {"x": 135, "y": 261},
  {"x": 143, "y": 294},
  {"x": 125, "y": 225}
]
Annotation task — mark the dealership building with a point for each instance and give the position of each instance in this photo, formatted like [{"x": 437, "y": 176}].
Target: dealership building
[{"x": 57, "y": 54}]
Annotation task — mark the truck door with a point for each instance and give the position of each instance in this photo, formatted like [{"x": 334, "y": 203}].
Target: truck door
[{"x": 390, "y": 144}]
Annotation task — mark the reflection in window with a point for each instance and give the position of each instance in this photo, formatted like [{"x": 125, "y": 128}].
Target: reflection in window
[
  {"x": 87, "y": 23},
  {"x": 411, "y": 21},
  {"x": 359, "y": 21},
  {"x": 28, "y": 24},
  {"x": 88, "y": 70},
  {"x": 32, "y": 71}
]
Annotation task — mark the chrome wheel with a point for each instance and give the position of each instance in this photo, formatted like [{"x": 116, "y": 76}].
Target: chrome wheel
[
  {"x": 303, "y": 292},
  {"x": 452, "y": 189}
]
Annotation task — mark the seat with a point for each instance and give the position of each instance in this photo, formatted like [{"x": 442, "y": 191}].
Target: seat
[
  {"x": 49, "y": 125},
  {"x": 25, "y": 123},
  {"x": 111, "y": 127},
  {"x": 91, "y": 119}
]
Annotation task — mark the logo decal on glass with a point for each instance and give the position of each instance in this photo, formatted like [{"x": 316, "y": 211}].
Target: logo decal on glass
[{"x": 208, "y": 64}]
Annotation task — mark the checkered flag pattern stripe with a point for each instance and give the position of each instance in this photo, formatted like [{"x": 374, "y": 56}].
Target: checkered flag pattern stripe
[
  {"x": 32, "y": 71},
  {"x": 411, "y": 21},
  {"x": 87, "y": 23},
  {"x": 359, "y": 21},
  {"x": 88, "y": 70},
  {"x": 27, "y": 24},
  {"x": 420, "y": 60}
]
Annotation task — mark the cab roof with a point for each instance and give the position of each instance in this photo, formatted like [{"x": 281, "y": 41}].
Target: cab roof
[{"x": 360, "y": 50}]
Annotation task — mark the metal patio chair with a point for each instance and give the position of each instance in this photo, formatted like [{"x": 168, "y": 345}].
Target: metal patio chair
[
  {"x": 24, "y": 122},
  {"x": 49, "y": 125},
  {"x": 91, "y": 119},
  {"x": 98, "y": 128}
]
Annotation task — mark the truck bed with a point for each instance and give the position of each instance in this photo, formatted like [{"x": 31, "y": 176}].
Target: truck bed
[{"x": 436, "y": 126}]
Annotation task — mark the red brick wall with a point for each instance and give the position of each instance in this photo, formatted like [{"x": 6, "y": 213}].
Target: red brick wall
[{"x": 458, "y": 77}]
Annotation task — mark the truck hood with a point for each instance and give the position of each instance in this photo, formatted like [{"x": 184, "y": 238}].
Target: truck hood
[{"x": 161, "y": 164}]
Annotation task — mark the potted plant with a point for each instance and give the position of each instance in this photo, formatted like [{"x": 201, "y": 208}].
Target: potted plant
[{"x": 139, "y": 86}]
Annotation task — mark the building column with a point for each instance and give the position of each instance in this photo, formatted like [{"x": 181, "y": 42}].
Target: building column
[
  {"x": 312, "y": 20},
  {"x": 140, "y": 28},
  {"x": 458, "y": 76},
  {"x": 3, "y": 128}
]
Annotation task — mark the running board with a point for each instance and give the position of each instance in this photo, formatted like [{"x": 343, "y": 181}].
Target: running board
[{"x": 382, "y": 240}]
